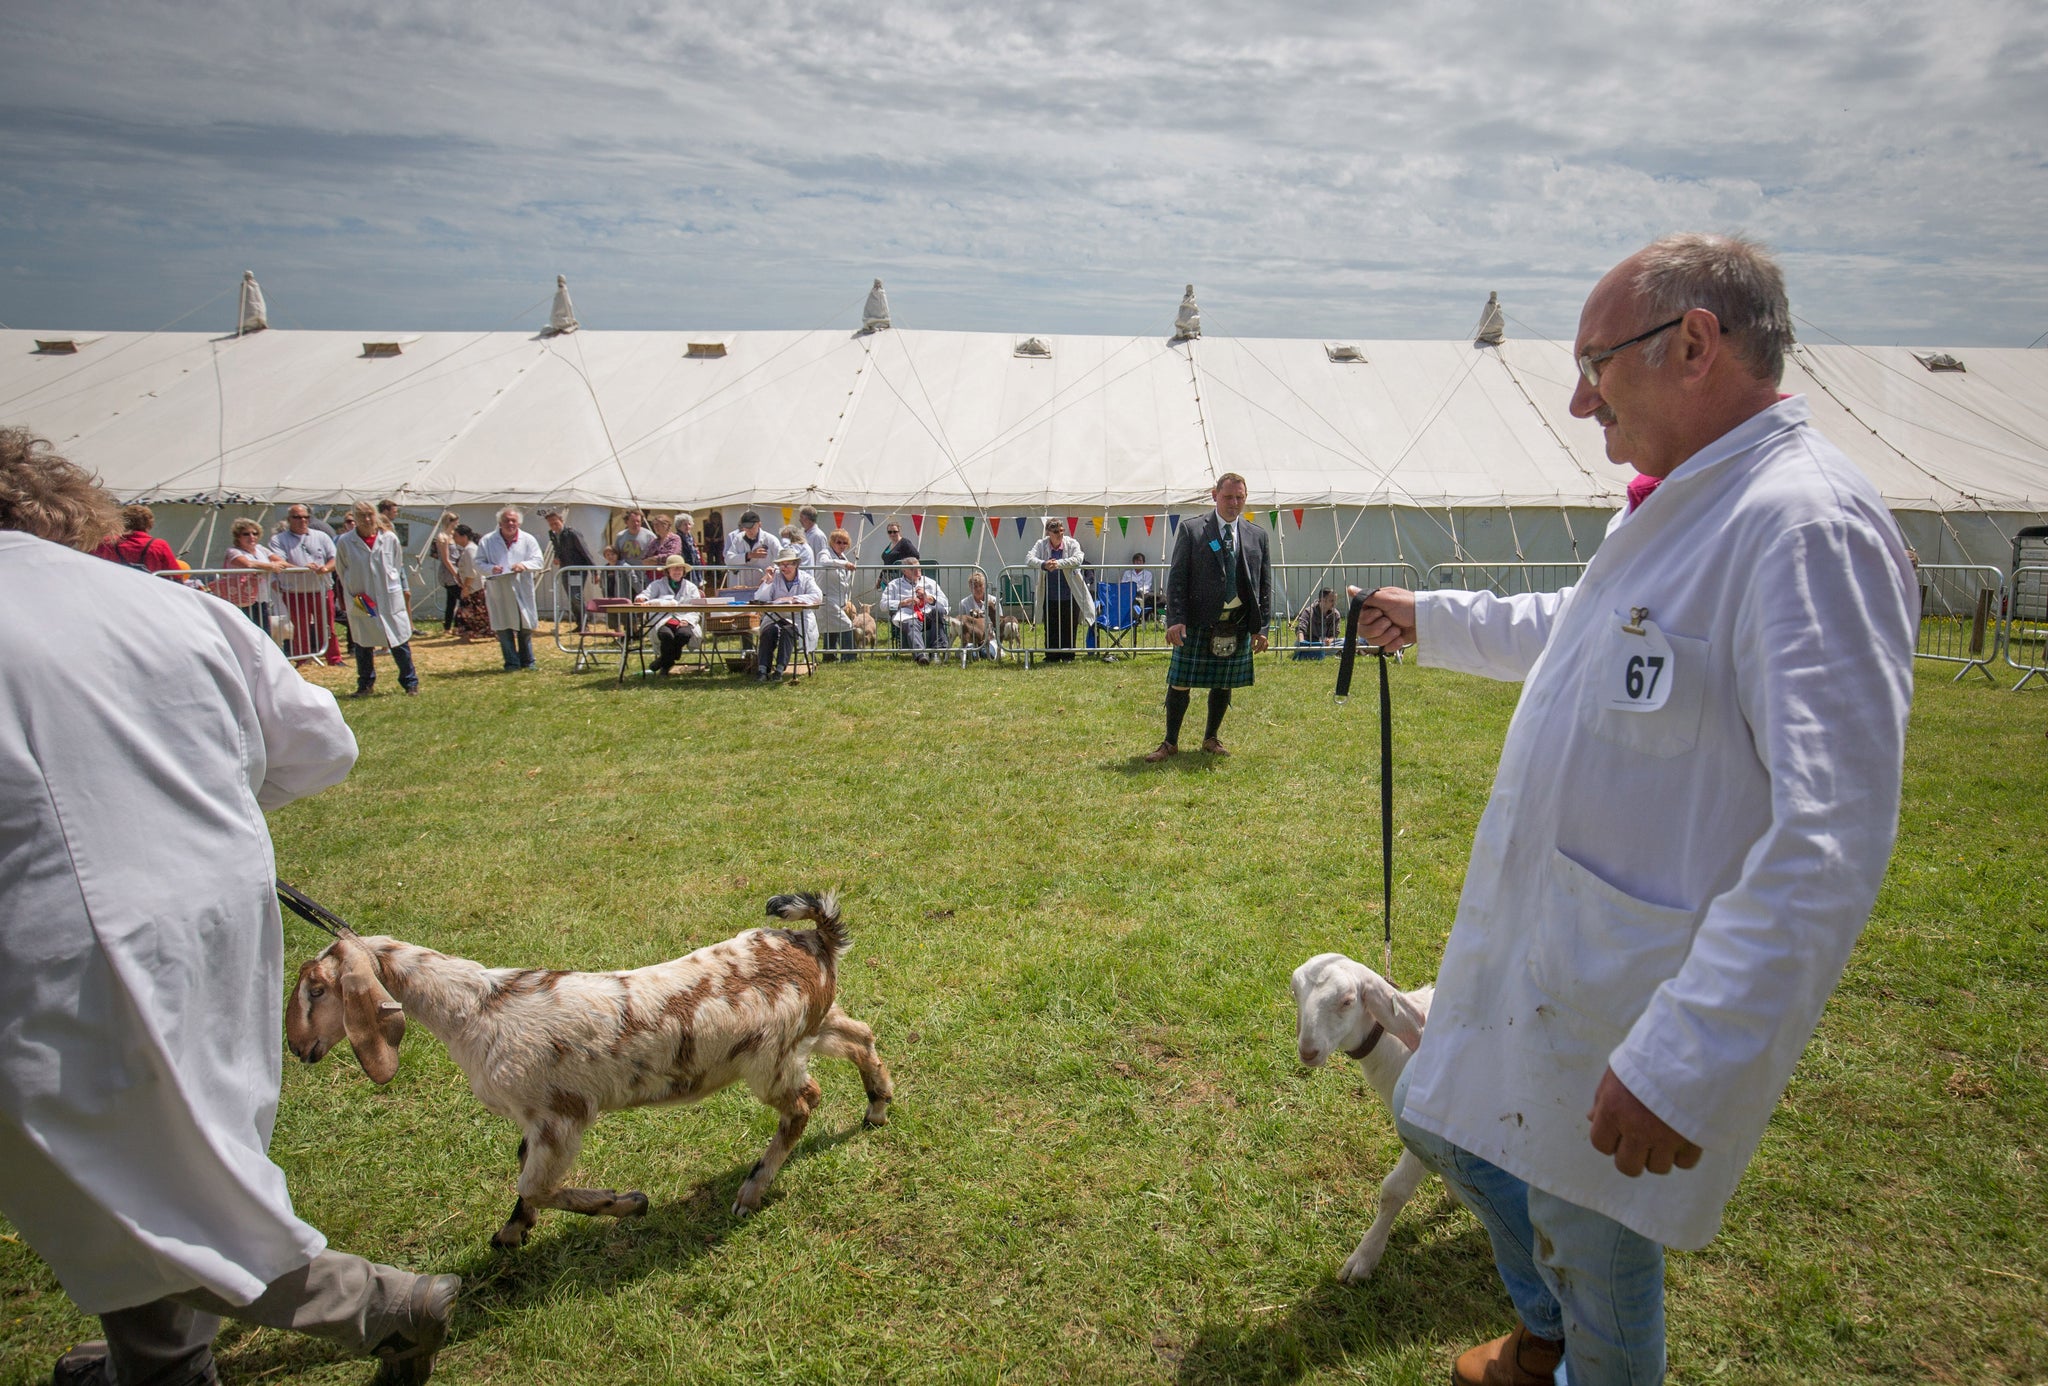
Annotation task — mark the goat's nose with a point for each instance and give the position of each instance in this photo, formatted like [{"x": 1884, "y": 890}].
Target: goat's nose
[{"x": 1309, "y": 1057}]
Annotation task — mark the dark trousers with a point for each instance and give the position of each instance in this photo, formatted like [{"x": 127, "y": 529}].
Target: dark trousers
[
  {"x": 928, "y": 634},
  {"x": 838, "y": 646},
  {"x": 448, "y": 616},
  {"x": 1059, "y": 629},
  {"x": 669, "y": 641},
  {"x": 779, "y": 640},
  {"x": 366, "y": 665},
  {"x": 517, "y": 646}
]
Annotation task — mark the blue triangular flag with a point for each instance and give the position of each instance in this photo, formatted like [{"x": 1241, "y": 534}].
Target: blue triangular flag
[
  {"x": 1172, "y": 522},
  {"x": 1020, "y": 524},
  {"x": 868, "y": 515}
]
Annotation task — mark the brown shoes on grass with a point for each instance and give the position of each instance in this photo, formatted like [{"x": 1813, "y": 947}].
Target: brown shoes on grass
[
  {"x": 1519, "y": 1359},
  {"x": 1161, "y": 752}
]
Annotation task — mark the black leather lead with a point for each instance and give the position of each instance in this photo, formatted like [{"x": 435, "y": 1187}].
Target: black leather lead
[{"x": 1344, "y": 667}]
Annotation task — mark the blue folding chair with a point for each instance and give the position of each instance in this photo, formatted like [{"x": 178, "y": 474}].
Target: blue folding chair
[{"x": 1116, "y": 616}]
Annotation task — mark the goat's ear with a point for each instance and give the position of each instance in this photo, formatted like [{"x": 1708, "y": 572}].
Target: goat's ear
[
  {"x": 375, "y": 1023},
  {"x": 1403, "y": 1018}
]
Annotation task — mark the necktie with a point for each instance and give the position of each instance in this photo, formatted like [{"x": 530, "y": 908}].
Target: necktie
[{"x": 1229, "y": 563}]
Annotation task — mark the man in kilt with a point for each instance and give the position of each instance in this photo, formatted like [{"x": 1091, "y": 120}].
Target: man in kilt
[{"x": 1219, "y": 597}]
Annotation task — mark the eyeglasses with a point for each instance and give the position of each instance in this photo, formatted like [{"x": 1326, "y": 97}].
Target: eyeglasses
[{"x": 1590, "y": 363}]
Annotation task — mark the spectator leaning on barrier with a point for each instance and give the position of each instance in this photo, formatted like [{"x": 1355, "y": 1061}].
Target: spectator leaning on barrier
[
  {"x": 508, "y": 558},
  {"x": 835, "y": 574},
  {"x": 567, "y": 550},
  {"x": 1064, "y": 601},
  {"x": 142, "y": 958},
  {"x": 251, "y": 590},
  {"x": 917, "y": 606},
  {"x": 1692, "y": 815},
  {"x": 633, "y": 543},
  {"x": 137, "y": 547},
  {"x": 373, "y": 588},
  {"x": 307, "y": 586},
  {"x": 685, "y": 532}
]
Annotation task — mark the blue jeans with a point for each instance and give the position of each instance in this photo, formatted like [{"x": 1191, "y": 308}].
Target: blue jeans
[
  {"x": 1572, "y": 1273},
  {"x": 517, "y": 646}
]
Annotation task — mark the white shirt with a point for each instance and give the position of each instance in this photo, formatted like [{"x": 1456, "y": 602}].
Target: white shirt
[
  {"x": 1674, "y": 892},
  {"x": 818, "y": 541},
  {"x": 662, "y": 589},
  {"x": 141, "y": 953},
  {"x": 508, "y": 571},
  {"x": 1141, "y": 577},
  {"x": 309, "y": 550}
]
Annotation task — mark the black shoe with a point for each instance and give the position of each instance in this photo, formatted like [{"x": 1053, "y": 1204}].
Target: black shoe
[
  {"x": 366, "y": 690},
  {"x": 412, "y": 690},
  {"x": 408, "y": 1355}
]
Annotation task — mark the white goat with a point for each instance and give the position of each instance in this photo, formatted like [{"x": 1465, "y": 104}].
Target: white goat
[
  {"x": 551, "y": 1050},
  {"x": 1344, "y": 1007}
]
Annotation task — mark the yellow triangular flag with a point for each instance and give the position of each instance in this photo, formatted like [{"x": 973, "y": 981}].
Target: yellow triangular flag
[
  {"x": 1098, "y": 524},
  {"x": 942, "y": 523}
]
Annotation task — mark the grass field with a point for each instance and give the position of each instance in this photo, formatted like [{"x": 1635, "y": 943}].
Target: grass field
[{"x": 1105, "y": 1163}]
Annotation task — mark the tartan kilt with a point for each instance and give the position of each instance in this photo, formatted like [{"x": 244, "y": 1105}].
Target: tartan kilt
[{"x": 1194, "y": 666}]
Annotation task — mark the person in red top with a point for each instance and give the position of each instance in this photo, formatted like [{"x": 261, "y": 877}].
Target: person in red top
[{"x": 138, "y": 548}]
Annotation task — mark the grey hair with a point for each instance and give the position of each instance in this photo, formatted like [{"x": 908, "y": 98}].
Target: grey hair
[
  {"x": 512, "y": 510},
  {"x": 1732, "y": 277}
]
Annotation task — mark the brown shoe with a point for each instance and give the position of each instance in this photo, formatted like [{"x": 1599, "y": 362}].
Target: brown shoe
[
  {"x": 1214, "y": 747},
  {"x": 1161, "y": 752},
  {"x": 1519, "y": 1359}
]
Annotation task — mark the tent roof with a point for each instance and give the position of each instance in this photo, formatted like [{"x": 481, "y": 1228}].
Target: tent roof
[{"x": 903, "y": 419}]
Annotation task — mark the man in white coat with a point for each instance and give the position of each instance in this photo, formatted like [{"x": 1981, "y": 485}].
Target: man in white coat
[
  {"x": 917, "y": 605},
  {"x": 1694, "y": 808},
  {"x": 508, "y": 558},
  {"x": 144, "y": 730},
  {"x": 372, "y": 573}
]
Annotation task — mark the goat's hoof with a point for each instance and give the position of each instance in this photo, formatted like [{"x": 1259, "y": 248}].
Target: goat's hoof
[
  {"x": 749, "y": 1201},
  {"x": 632, "y": 1205},
  {"x": 509, "y": 1237},
  {"x": 877, "y": 1115},
  {"x": 1357, "y": 1270}
]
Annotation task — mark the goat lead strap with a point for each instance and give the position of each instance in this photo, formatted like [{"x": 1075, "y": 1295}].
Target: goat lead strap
[
  {"x": 1344, "y": 668},
  {"x": 312, "y": 911}
]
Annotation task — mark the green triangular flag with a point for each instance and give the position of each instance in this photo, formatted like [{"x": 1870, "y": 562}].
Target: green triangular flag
[
  {"x": 968, "y": 520},
  {"x": 1123, "y": 522},
  {"x": 1272, "y": 519}
]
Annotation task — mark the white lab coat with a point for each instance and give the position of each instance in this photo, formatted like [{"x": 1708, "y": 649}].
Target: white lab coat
[
  {"x": 748, "y": 572},
  {"x": 899, "y": 598},
  {"x": 375, "y": 570},
  {"x": 144, "y": 729},
  {"x": 804, "y": 589},
  {"x": 680, "y": 590},
  {"x": 1070, "y": 557},
  {"x": 1674, "y": 892},
  {"x": 508, "y": 571},
  {"x": 835, "y": 577}
]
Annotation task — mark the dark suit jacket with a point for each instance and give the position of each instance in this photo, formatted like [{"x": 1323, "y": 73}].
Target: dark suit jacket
[{"x": 1194, "y": 584}]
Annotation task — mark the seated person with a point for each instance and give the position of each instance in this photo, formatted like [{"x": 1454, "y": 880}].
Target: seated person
[
  {"x": 1140, "y": 577},
  {"x": 981, "y": 619},
  {"x": 1319, "y": 626},
  {"x": 677, "y": 631},
  {"x": 787, "y": 585},
  {"x": 917, "y": 606}
]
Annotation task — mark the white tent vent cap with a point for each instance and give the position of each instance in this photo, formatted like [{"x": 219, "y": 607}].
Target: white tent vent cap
[
  {"x": 1187, "y": 323},
  {"x": 562, "y": 316},
  {"x": 1344, "y": 353},
  {"x": 705, "y": 351},
  {"x": 1033, "y": 347},
  {"x": 1493, "y": 326},
  {"x": 1939, "y": 361},
  {"x": 874, "y": 317}
]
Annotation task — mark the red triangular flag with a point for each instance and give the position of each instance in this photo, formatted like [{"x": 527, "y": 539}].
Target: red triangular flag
[
  {"x": 839, "y": 519},
  {"x": 917, "y": 523},
  {"x": 1073, "y": 524},
  {"x": 1148, "y": 524},
  {"x": 1297, "y": 517}
]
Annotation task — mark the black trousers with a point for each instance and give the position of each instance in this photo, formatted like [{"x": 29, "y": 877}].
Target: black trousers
[
  {"x": 779, "y": 640},
  {"x": 1059, "y": 630}
]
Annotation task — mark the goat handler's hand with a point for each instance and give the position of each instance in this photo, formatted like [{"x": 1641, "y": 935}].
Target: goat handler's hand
[
  {"x": 1635, "y": 1136},
  {"x": 1176, "y": 635},
  {"x": 1388, "y": 620},
  {"x": 1259, "y": 643}
]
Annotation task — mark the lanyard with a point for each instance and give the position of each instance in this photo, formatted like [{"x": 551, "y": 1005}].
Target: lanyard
[{"x": 1386, "y": 765}]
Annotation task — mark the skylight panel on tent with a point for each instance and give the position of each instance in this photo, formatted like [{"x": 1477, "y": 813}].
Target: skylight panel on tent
[
  {"x": 389, "y": 347},
  {"x": 62, "y": 346},
  {"x": 1344, "y": 353},
  {"x": 704, "y": 351},
  {"x": 1032, "y": 347},
  {"x": 1939, "y": 361}
]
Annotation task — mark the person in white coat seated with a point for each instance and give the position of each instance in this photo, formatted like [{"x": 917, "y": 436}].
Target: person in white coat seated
[
  {"x": 1065, "y": 604},
  {"x": 785, "y": 634},
  {"x": 1692, "y": 814},
  {"x": 675, "y": 631},
  {"x": 917, "y": 606},
  {"x": 835, "y": 572},
  {"x": 508, "y": 558},
  {"x": 142, "y": 956},
  {"x": 1142, "y": 580},
  {"x": 372, "y": 572}
]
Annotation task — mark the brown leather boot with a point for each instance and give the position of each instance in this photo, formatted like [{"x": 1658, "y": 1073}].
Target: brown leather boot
[{"x": 1519, "y": 1359}]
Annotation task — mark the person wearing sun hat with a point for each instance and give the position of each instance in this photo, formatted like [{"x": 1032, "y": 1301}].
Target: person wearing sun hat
[
  {"x": 783, "y": 635},
  {"x": 674, "y": 631}
]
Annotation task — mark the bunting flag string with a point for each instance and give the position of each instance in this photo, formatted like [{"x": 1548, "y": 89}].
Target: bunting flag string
[
  {"x": 1297, "y": 517},
  {"x": 942, "y": 523},
  {"x": 1123, "y": 523},
  {"x": 917, "y": 523},
  {"x": 1148, "y": 524},
  {"x": 968, "y": 520},
  {"x": 1020, "y": 525}
]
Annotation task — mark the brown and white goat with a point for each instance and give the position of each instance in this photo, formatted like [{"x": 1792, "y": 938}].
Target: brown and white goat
[{"x": 551, "y": 1050}]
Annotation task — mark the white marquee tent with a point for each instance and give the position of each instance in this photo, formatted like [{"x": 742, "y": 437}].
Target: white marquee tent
[{"x": 1374, "y": 451}]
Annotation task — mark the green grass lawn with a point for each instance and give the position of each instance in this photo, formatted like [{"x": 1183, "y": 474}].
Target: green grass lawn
[{"x": 1105, "y": 1163}]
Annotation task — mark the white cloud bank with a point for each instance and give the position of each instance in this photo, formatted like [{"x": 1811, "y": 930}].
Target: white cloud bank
[{"x": 1343, "y": 169}]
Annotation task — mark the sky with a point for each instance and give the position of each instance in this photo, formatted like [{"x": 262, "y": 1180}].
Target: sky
[{"x": 1357, "y": 170}]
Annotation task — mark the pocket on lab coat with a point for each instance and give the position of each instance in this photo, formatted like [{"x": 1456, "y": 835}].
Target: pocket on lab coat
[
  {"x": 1601, "y": 951},
  {"x": 1674, "y": 728}
]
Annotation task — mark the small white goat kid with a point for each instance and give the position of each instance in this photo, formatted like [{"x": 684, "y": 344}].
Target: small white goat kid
[
  {"x": 551, "y": 1050},
  {"x": 1344, "y": 1007}
]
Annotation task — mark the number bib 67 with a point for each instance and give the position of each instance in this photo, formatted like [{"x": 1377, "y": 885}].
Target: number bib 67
[{"x": 1636, "y": 668}]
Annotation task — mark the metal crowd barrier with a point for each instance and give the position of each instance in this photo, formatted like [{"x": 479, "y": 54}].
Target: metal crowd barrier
[
  {"x": 301, "y": 623},
  {"x": 1960, "y": 621},
  {"x": 2026, "y": 623},
  {"x": 1512, "y": 579}
]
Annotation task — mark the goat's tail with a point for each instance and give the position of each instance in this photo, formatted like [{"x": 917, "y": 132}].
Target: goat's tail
[{"x": 823, "y": 910}]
